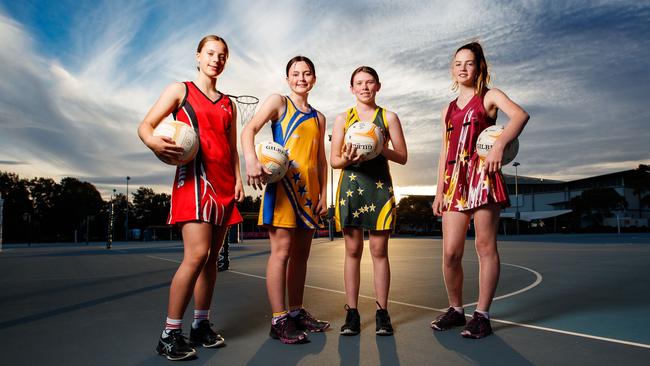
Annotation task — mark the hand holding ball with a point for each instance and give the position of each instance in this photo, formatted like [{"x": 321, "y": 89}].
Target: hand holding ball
[{"x": 183, "y": 136}]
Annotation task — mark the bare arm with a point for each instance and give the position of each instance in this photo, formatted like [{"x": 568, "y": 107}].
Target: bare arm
[
  {"x": 169, "y": 100},
  {"x": 494, "y": 100},
  {"x": 337, "y": 155},
  {"x": 270, "y": 110},
  {"x": 438, "y": 202},
  {"x": 234, "y": 155},
  {"x": 398, "y": 153},
  {"x": 321, "y": 207}
]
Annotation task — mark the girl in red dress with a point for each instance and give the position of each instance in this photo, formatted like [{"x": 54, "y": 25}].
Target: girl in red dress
[
  {"x": 470, "y": 186},
  {"x": 203, "y": 195}
]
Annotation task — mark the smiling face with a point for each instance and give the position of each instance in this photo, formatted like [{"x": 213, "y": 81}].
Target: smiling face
[
  {"x": 301, "y": 77},
  {"x": 364, "y": 87},
  {"x": 464, "y": 68},
  {"x": 212, "y": 58}
]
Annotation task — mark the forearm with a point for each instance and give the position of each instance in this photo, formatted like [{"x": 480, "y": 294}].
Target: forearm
[
  {"x": 513, "y": 128},
  {"x": 399, "y": 157}
]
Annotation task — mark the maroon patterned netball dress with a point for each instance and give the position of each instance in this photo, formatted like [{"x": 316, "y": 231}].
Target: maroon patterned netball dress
[{"x": 466, "y": 185}]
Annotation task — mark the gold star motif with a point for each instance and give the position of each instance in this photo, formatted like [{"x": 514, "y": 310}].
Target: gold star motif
[
  {"x": 462, "y": 156},
  {"x": 352, "y": 177},
  {"x": 349, "y": 193},
  {"x": 360, "y": 190},
  {"x": 355, "y": 214},
  {"x": 446, "y": 178},
  {"x": 365, "y": 208},
  {"x": 461, "y": 203},
  {"x": 372, "y": 207},
  {"x": 390, "y": 189},
  {"x": 379, "y": 184},
  {"x": 342, "y": 202}
]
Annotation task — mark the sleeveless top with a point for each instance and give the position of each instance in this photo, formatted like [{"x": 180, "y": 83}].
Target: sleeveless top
[
  {"x": 364, "y": 197},
  {"x": 291, "y": 202},
  {"x": 204, "y": 188},
  {"x": 466, "y": 185}
]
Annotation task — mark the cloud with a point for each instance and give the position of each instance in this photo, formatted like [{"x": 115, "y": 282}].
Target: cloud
[{"x": 578, "y": 67}]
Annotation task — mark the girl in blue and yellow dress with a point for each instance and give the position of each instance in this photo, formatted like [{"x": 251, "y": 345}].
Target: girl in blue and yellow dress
[
  {"x": 291, "y": 208},
  {"x": 365, "y": 198}
]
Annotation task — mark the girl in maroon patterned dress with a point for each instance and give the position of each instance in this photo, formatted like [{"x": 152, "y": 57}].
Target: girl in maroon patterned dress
[{"x": 471, "y": 186}]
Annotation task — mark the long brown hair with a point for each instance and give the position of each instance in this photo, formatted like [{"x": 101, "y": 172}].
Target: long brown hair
[
  {"x": 482, "y": 79},
  {"x": 303, "y": 59},
  {"x": 367, "y": 70}
]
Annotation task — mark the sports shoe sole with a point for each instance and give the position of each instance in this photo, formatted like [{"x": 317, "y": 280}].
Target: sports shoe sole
[
  {"x": 189, "y": 355},
  {"x": 349, "y": 332},
  {"x": 383, "y": 332},
  {"x": 304, "y": 339},
  {"x": 469, "y": 335}
]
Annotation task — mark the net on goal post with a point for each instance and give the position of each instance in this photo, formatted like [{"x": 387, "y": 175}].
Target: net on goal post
[{"x": 246, "y": 105}]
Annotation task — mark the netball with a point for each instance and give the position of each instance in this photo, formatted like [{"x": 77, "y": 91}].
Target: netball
[
  {"x": 183, "y": 136},
  {"x": 487, "y": 138},
  {"x": 274, "y": 157},
  {"x": 367, "y": 138}
]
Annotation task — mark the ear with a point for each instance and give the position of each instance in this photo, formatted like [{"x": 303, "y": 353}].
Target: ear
[
  {"x": 198, "y": 56},
  {"x": 378, "y": 86}
]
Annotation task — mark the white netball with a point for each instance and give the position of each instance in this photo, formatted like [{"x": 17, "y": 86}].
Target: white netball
[
  {"x": 183, "y": 135},
  {"x": 274, "y": 157},
  {"x": 487, "y": 138},
  {"x": 367, "y": 137}
]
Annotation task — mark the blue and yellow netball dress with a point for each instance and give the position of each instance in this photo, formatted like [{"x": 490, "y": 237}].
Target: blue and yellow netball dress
[
  {"x": 364, "y": 197},
  {"x": 291, "y": 202}
]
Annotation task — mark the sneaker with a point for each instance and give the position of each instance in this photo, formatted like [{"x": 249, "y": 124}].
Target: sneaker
[
  {"x": 305, "y": 321},
  {"x": 352, "y": 324},
  {"x": 205, "y": 336},
  {"x": 382, "y": 319},
  {"x": 286, "y": 331},
  {"x": 450, "y": 319},
  {"x": 478, "y": 327},
  {"x": 175, "y": 347}
]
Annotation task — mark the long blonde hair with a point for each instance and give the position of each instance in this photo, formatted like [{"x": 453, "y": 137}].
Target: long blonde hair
[{"x": 482, "y": 80}]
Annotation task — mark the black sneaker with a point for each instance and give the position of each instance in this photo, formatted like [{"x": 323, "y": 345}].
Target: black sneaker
[
  {"x": 286, "y": 331},
  {"x": 478, "y": 327},
  {"x": 352, "y": 324},
  {"x": 382, "y": 319},
  {"x": 450, "y": 319},
  {"x": 205, "y": 336},
  {"x": 175, "y": 347},
  {"x": 305, "y": 321}
]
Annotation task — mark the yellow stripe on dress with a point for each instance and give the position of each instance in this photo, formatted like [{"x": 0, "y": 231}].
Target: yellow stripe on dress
[{"x": 386, "y": 215}]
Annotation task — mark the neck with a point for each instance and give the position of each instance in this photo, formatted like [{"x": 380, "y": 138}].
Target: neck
[
  {"x": 300, "y": 100},
  {"x": 466, "y": 91},
  {"x": 366, "y": 106},
  {"x": 205, "y": 83}
]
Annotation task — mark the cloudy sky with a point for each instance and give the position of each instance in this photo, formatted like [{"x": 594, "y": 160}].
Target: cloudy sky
[{"x": 76, "y": 77}]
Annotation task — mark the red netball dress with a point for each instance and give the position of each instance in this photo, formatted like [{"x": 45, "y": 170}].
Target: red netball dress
[
  {"x": 466, "y": 185},
  {"x": 204, "y": 188}
]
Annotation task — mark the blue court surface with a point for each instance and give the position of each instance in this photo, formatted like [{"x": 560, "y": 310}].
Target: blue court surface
[{"x": 561, "y": 300}]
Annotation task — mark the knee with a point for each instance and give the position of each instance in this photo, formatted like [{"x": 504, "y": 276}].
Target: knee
[
  {"x": 196, "y": 258},
  {"x": 485, "y": 247},
  {"x": 452, "y": 258},
  {"x": 281, "y": 254},
  {"x": 378, "y": 251}
]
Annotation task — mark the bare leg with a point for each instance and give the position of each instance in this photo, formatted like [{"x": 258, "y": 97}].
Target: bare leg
[
  {"x": 454, "y": 230},
  {"x": 380, "y": 265},
  {"x": 197, "y": 237},
  {"x": 276, "y": 269},
  {"x": 297, "y": 268},
  {"x": 486, "y": 222},
  {"x": 204, "y": 287},
  {"x": 352, "y": 265}
]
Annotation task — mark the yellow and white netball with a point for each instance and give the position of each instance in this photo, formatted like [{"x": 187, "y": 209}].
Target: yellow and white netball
[
  {"x": 274, "y": 157},
  {"x": 367, "y": 138},
  {"x": 183, "y": 136},
  {"x": 486, "y": 140}
]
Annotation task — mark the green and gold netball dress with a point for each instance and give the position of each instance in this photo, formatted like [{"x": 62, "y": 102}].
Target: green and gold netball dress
[{"x": 364, "y": 197}]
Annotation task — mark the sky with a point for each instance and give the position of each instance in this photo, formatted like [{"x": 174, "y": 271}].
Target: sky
[{"x": 77, "y": 77}]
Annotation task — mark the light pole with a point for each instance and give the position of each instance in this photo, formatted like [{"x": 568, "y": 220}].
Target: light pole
[
  {"x": 109, "y": 236},
  {"x": 330, "y": 211},
  {"x": 516, "y": 164},
  {"x": 1, "y": 206},
  {"x": 126, "y": 221}
]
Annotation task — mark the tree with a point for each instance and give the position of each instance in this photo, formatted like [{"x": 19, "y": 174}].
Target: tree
[
  {"x": 150, "y": 208},
  {"x": 44, "y": 193},
  {"x": 76, "y": 202},
  {"x": 18, "y": 209},
  {"x": 639, "y": 181},
  {"x": 597, "y": 203},
  {"x": 416, "y": 212}
]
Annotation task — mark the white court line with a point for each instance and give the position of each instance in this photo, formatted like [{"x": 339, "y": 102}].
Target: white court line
[{"x": 537, "y": 327}]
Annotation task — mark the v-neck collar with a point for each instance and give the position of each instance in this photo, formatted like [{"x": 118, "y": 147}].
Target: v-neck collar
[
  {"x": 374, "y": 117},
  {"x": 466, "y": 104},
  {"x": 206, "y": 97}
]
